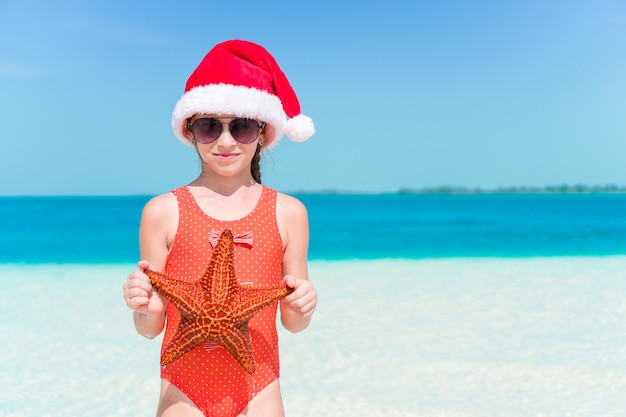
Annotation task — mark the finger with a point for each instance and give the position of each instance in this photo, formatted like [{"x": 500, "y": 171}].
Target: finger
[
  {"x": 137, "y": 292},
  {"x": 137, "y": 303},
  {"x": 302, "y": 289},
  {"x": 293, "y": 297},
  {"x": 143, "y": 265},
  {"x": 309, "y": 308},
  {"x": 140, "y": 279},
  {"x": 290, "y": 281},
  {"x": 308, "y": 300},
  {"x": 306, "y": 305},
  {"x": 137, "y": 285},
  {"x": 296, "y": 302}
]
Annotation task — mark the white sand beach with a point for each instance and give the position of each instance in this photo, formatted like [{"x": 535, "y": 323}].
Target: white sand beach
[{"x": 448, "y": 338}]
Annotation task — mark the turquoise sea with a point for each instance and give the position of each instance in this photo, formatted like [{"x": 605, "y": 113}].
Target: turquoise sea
[
  {"x": 429, "y": 305},
  {"x": 104, "y": 229}
]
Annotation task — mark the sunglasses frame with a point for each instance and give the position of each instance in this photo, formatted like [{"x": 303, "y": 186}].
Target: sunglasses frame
[{"x": 190, "y": 124}]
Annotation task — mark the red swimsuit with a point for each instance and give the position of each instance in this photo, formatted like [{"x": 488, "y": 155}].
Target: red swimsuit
[{"x": 210, "y": 376}]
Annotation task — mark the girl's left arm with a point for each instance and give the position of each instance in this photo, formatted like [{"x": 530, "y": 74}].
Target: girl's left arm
[{"x": 297, "y": 308}]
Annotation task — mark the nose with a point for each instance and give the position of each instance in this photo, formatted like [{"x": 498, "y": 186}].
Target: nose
[{"x": 225, "y": 138}]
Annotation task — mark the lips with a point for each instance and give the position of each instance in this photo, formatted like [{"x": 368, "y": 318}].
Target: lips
[{"x": 226, "y": 155}]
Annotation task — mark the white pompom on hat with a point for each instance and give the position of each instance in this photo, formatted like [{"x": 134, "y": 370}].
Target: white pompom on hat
[{"x": 241, "y": 78}]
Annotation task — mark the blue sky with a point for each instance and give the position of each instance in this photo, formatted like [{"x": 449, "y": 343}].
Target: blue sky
[{"x": 403, "y": 94}]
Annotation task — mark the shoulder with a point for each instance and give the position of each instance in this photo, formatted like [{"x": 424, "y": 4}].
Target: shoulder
[
  {"x": 292, "y": 219},
  {"x": 293, "y": 224},
  {"x": 161, "y": 207},
  {"x": 159, "y": 222},
  {"x": 290, "y": 207}
]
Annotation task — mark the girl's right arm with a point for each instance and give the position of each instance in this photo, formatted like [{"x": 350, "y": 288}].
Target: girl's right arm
[{"x": 159, "y": 221}]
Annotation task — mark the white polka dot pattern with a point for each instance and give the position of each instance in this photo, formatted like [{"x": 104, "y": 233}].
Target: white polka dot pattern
[{"x": 212, "y": 378}]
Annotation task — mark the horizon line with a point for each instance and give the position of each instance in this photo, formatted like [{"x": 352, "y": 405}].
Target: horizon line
[{"x": 442, "y": 189}]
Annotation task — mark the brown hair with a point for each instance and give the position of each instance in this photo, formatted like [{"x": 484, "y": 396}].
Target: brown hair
[{"x": 255, "y": 168}]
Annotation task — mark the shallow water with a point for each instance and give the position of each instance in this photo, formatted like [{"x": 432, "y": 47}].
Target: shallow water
[{"x": 450, "y": 337}]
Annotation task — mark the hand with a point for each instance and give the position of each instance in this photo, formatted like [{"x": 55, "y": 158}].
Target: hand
[
  {"x": 303, "y": 299},
  {"x": 139, "y": 294}
]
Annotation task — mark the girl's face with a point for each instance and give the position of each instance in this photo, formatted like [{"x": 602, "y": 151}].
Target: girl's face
[{"x": 226, "y": 156}]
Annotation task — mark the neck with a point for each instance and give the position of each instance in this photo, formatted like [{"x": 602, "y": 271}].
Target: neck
[{"x": 225, "y": 186}]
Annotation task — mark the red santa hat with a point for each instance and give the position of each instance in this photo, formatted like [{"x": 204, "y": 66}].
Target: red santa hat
[{"x": 241, "y": 78}]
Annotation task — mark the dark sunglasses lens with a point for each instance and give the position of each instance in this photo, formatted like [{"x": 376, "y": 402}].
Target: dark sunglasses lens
[
  {"x": 206, "y": 130},
  {"x": 244, "y": 130}
]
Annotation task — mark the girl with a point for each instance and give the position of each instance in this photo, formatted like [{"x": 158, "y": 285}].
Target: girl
[{"x": 236, "y": 104}]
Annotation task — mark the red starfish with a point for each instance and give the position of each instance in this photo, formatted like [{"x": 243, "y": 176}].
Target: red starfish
[{"x": 216, "y": 308}]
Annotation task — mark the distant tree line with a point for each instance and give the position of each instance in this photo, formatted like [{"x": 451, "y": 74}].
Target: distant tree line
[{"x": 549, "y": 189}]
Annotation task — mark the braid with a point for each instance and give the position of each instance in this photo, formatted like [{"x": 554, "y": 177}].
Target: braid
[{"x": 255, "y": 168}]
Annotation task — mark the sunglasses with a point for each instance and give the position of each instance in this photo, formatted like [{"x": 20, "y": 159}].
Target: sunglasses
[{"x": 208, "y": 129}]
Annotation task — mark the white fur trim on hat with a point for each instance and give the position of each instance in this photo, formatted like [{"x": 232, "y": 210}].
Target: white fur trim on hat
[
  {"x": 240, "y": 101},
  {"x": 299, "y": 128}
]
